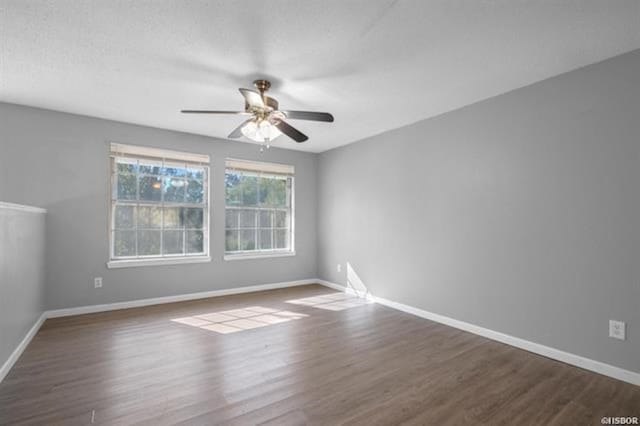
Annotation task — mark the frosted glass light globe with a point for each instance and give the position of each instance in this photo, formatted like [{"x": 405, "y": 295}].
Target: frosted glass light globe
[{"x": 260, "y": 131}]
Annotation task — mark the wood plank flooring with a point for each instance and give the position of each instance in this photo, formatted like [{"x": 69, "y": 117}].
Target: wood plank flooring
[{"x": 259, "y": 359}]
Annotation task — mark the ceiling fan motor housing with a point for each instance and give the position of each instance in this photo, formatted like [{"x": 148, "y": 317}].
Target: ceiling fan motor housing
[{"x": 270, "y": 102}]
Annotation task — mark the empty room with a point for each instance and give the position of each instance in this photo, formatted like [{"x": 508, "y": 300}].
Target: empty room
[{"x": 319, "y": 212}]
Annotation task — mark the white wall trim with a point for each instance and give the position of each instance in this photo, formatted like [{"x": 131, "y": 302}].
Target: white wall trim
[
  {"x": 135, "y": 263},
  {"x": 4, "y": 370},
  {"x": 171, "y": 299},
  {"x": 340, "y": 287},
  {"x": 559, "y": 355},
  {"x": 335, "y": 286},
  {"x": 257, "y": 255},
  {"x": 11, "y": 206},
  {"x": 57, "y": 313},
  {"x": 537, "y": 348}
]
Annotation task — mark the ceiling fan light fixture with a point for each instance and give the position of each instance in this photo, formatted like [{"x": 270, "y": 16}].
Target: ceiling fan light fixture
[
  {"x": 260, "y": 131},
  {"x": 267, "y": 121}
]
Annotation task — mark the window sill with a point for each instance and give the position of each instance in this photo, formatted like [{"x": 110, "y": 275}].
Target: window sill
[
  {"x": 114, "y": 264},
  {"x": 248, "y": 256}
]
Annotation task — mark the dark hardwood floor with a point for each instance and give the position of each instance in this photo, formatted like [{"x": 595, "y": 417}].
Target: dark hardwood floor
[{"x": 260, "y": 359}]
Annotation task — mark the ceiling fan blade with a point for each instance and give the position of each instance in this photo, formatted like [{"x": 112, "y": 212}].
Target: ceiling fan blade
[
  {"x": 237, "y": 132},
  {"x": 309, "y": 115},
  {"x": 201, "y": 111},
  {"x": 290, "y": 131},
  {"x": 253, "y": 98}
]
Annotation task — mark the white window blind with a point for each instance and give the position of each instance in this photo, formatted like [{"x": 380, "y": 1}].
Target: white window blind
[
  {"x": 259, "y": 168},
  {"x": 142, "y": 152}
]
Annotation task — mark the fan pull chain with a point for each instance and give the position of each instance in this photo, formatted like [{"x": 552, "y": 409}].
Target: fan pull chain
[{"x": 265, "y": 143}]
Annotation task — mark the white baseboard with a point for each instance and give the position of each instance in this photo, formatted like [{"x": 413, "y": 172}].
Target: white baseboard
[
  {"x": 566, "y": 357},
  {"x": 345, "y": 289},
  {"x": 537, "y": 348},
  {"x": 4, "y": 370},
  {"x": 171, "y": 299},
  {"x": 335, "y": 286}
]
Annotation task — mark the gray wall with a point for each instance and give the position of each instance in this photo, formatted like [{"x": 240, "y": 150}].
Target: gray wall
[
  {"x": 21, "y": 275},
  {"x": 520, "y": 213},
  {"x": 60, "y": 162}
]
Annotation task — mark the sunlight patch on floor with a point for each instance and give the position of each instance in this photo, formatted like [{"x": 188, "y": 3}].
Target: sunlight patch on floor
[
  {"x": 331, "y": 301},
  {"x": 225, "y": 322}
]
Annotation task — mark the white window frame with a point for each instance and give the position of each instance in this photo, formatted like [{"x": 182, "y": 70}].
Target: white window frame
[
  {"x": 169, "y": 158},
  {"x": 260, "y": 168}
]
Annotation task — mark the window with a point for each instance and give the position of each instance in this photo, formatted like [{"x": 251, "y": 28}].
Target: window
[
  {"x": 159, "y": 206},
  {"x": 259, "y": 209}
]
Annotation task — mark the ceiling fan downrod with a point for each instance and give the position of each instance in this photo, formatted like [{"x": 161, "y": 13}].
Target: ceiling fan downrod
[{"x": 262, "y": 86}]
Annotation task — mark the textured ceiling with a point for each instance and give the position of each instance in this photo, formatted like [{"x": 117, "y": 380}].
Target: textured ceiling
[{"x": 376, "y": 65}]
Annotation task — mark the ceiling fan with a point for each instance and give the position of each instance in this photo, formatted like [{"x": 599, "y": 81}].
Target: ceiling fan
[{"x": 267, "y": 122}]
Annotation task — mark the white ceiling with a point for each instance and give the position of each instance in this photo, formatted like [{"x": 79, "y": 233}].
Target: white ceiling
[{"x": 376, "y": 65}]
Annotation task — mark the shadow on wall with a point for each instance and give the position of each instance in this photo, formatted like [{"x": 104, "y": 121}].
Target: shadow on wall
[{"x": 355, "y": 284}]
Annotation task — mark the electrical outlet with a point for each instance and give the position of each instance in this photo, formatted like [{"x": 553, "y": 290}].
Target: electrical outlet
[
  {"x": 339, "y": 267},
  {"x": 97, "y": 282},
  {"x": 617, "y": 329}
]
